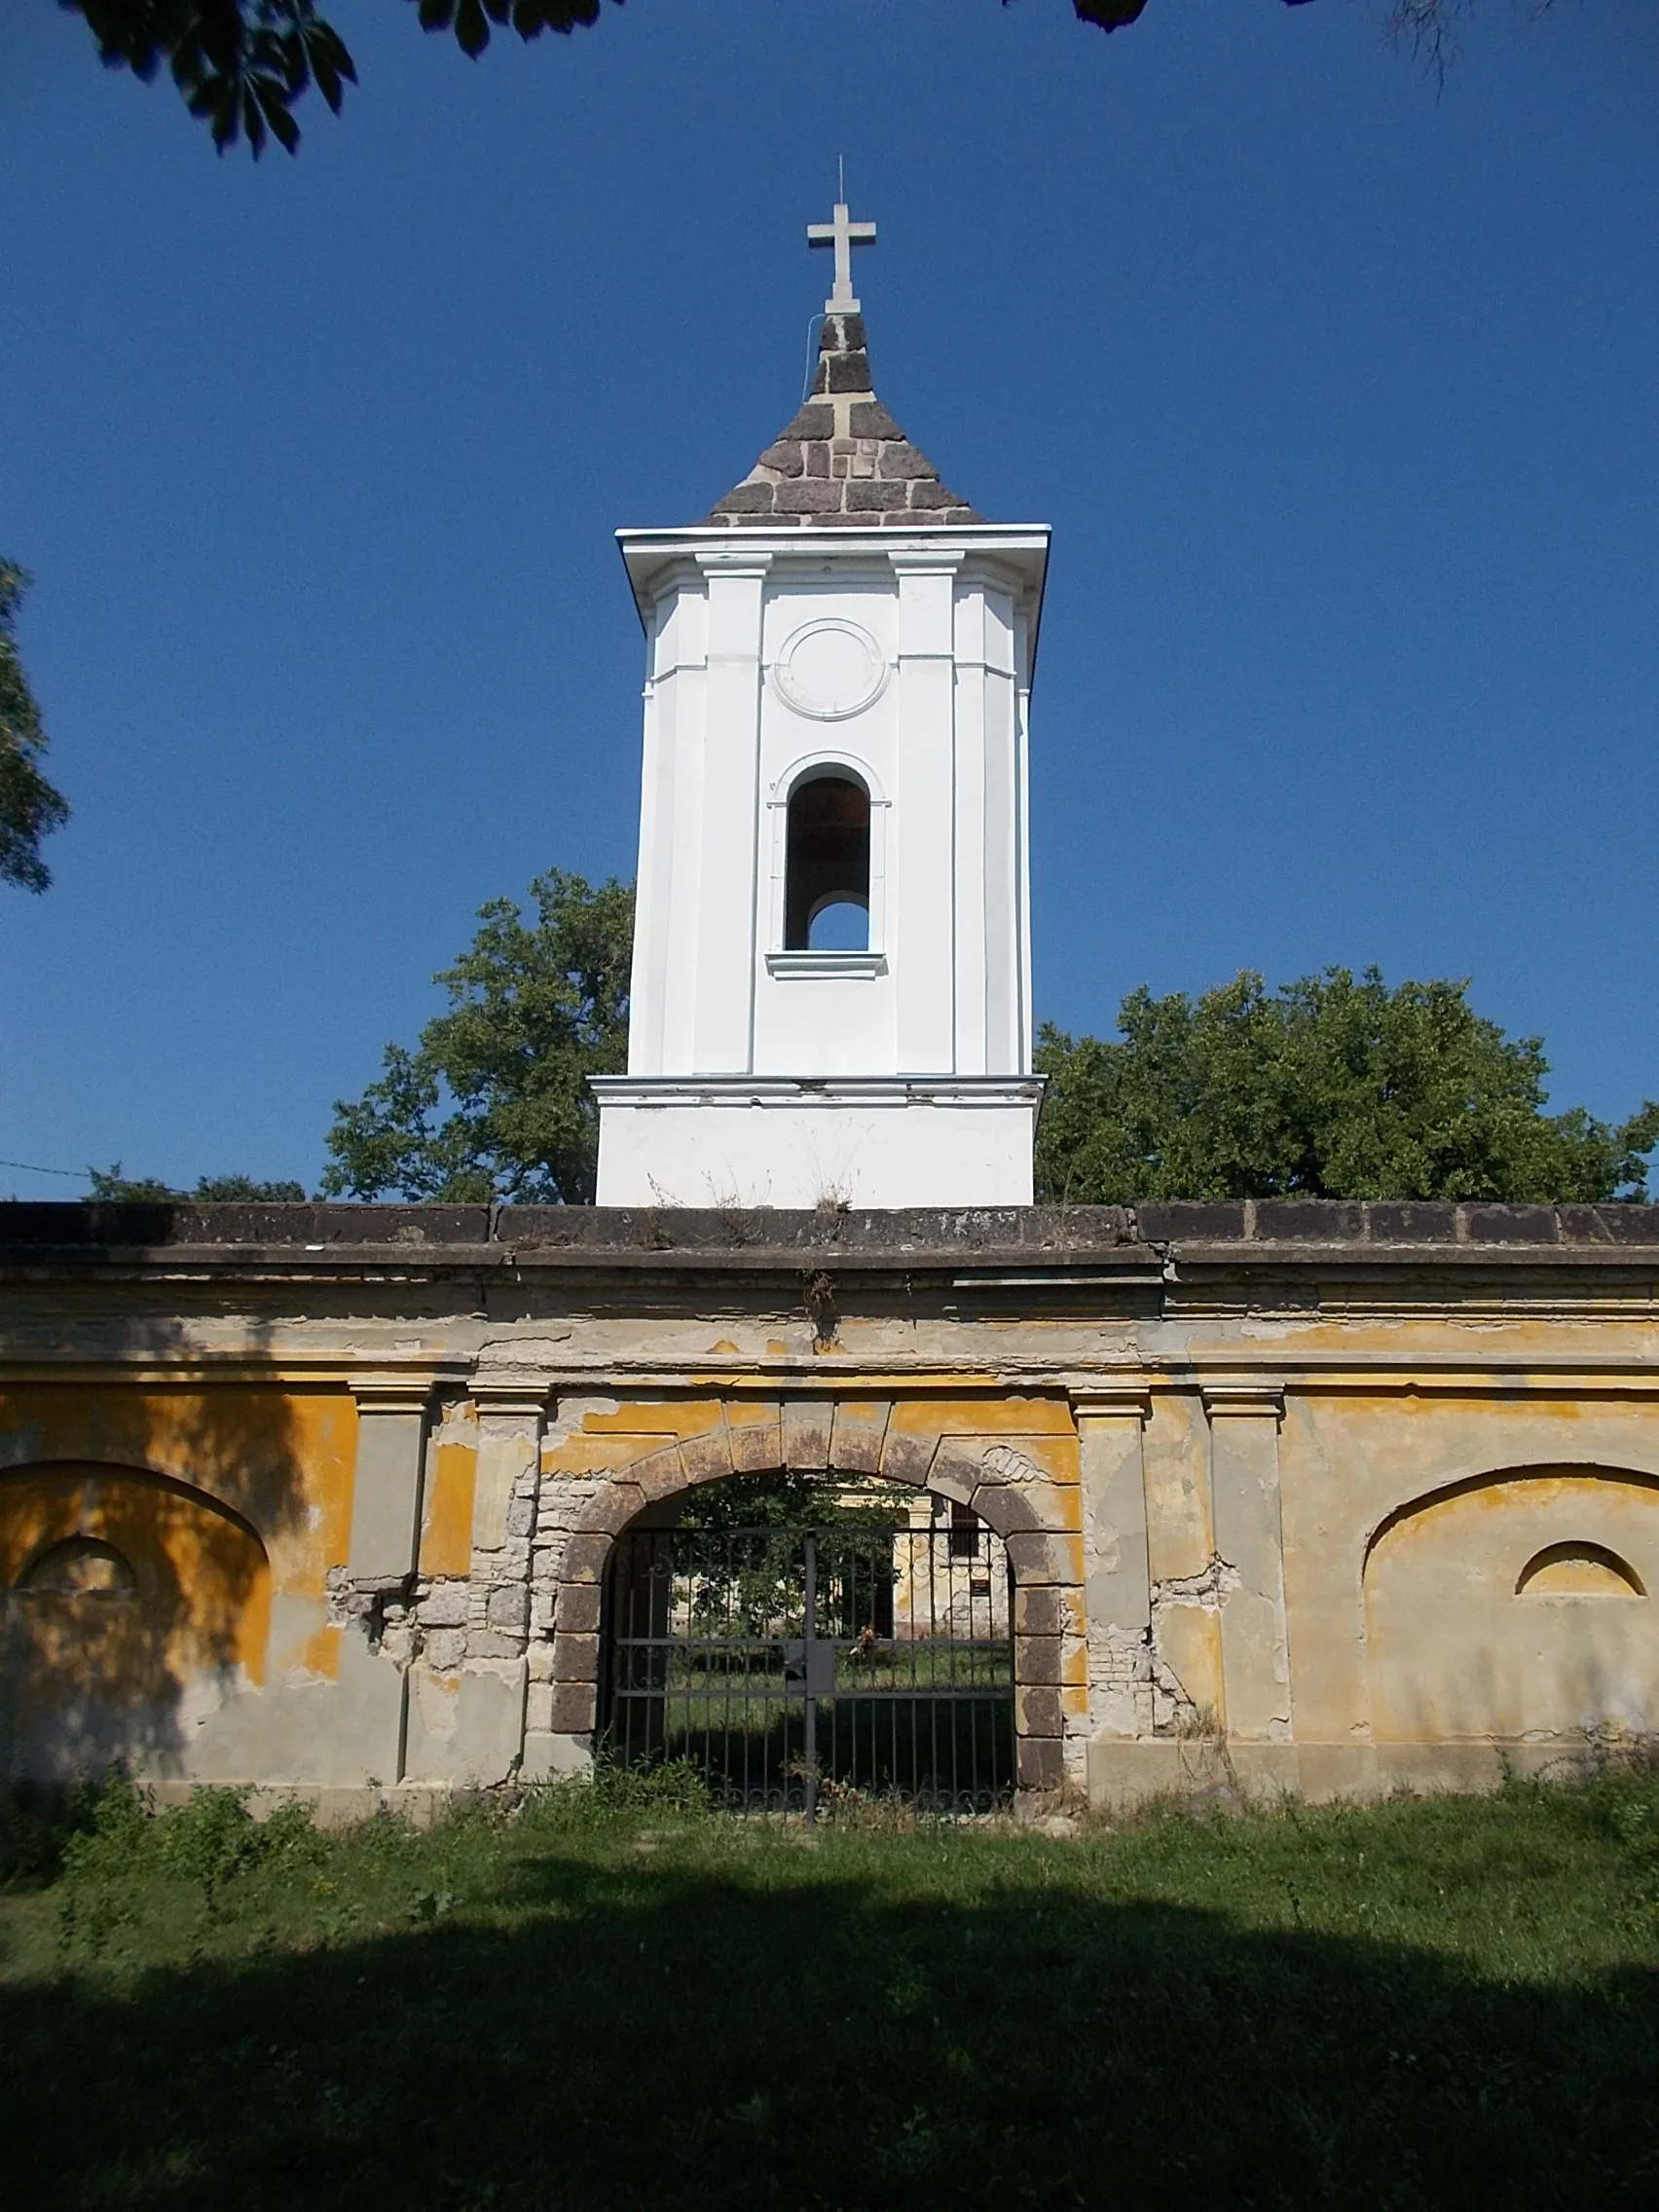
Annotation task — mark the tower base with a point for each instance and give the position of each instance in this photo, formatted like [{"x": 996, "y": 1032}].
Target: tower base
[{"x": 805, "y": 1141}]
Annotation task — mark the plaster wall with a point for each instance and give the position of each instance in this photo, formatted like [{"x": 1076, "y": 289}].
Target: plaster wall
[
  {"x": 1260, "y": 1539},
  {"x": 855, "y": 1144},
  {"x": 233, "y": 1507}
]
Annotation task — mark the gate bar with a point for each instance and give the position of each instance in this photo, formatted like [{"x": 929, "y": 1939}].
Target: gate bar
[{"x": 810, "y": 1745}]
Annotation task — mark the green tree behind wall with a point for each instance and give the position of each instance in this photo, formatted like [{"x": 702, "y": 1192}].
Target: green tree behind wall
[
  {"x": 30, "y": 809},
  {"x": 112, "y": 1186},
  {"x": 1332, "y": 1086},
  {"x": 493, "y": 1102}
]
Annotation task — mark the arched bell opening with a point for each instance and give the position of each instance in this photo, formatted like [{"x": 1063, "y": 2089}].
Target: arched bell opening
[
  {"x": 802, "y": 1644},
  {"x": 827, "y": 865}
]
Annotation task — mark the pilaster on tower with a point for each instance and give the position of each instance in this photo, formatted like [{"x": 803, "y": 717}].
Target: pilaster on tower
[{"x": 831, "y": 960}]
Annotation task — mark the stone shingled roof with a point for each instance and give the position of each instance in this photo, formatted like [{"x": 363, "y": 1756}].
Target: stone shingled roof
[{"x": 843, "y": 461}]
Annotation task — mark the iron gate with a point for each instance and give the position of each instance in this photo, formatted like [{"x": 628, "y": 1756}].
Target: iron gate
[{"x": 794, "y": 1663}]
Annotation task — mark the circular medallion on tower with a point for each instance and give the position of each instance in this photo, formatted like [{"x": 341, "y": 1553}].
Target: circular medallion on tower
[{"x": 829, "y": 670}]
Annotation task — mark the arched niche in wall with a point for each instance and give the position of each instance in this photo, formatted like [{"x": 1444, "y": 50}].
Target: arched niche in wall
[
  {"x": 1578, "y": 1570},
  {"x": 130, "y": 1600},
  {"x": 1512, "y": 1606}
]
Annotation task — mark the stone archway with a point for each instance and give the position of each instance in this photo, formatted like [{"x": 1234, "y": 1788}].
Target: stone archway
[{"x": 933, "y": 1445}]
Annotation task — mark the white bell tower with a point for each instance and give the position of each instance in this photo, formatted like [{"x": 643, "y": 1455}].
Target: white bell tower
[{"x": 831, "y": 986}]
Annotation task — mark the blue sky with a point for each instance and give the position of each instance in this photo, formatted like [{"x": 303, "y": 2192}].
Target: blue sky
[{"x": 1340, "y": 395}]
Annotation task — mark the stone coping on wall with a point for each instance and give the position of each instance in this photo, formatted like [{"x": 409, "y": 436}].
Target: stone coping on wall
[{"x": 1093, "y": 1243}]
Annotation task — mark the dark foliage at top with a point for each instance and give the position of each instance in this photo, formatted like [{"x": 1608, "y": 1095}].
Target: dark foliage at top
[
  {"x": 241, "y": 66},
  {"x": 789, "y": 1501},
  {"x": 1332, "y": 1086}
]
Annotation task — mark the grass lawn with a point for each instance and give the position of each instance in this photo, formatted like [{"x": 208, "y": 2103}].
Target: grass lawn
[{"x": 603, "y": 2001}]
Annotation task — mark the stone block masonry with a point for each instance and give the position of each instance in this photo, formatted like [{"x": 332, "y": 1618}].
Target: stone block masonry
[{"x": 842, "y": 456}]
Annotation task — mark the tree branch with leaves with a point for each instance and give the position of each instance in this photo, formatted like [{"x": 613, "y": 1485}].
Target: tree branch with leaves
[
  {"x": 493, "y": 1102},
  {"x": 242, "y": 65},
  {"x": 30, "y": 808}
]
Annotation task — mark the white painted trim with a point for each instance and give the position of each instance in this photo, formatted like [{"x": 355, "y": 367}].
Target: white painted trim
[
  {"x": 819, "y": 1090},
  {"x": 807, "y": 963},
  {"x": 811, "y": 711},
  {"x": 782, "y": 788}
]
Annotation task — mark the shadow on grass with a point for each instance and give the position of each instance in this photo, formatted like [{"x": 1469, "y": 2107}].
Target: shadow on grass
[{"x": 692, "y": 2027}]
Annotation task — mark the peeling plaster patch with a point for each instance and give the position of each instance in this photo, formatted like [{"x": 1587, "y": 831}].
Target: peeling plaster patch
[
  {"x": 410, "y": 1620},
  {"x": 568, "y": 1420},
  {"x": 1173, "y": 1709},
  {"x": 1105, "y": 1549},
  {"x": 377, "y": 1607},
  {"x": 1120, "y": 1679},
  {"x": 317, "y": 1660},
  {"x": 1133, "y": 1689},
  {"x": 512, "y": 1359},
  {"x": 438, "y": 1704},
  {"x": 1216, "y": 1581},
  {"x": 202, "y": 1695}
]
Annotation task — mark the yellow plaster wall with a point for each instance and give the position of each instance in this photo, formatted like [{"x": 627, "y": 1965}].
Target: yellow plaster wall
[
  {"x": 1408, "y": 1514},
  {"x": 203, "y": 1594},
  {"x": 1410, "y": 1502},
  {"x": 1180, "y": 1542},
  {"x": 1459, "y": 1652},
  {"x": 1180, "y": 1531},
  {"x": 281, "y": 1458},
  {"x": 446, "y": 1514},
  {"x": 231, "y": 1503}
]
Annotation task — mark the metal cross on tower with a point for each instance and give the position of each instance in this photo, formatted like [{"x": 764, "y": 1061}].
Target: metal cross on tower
[{"x": 843, "y": 234}]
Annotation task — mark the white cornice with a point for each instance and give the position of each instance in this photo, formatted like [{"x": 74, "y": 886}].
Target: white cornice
[
  {"x": 838, "y": 1090},
  {"x": 1015, "y": 555}
]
